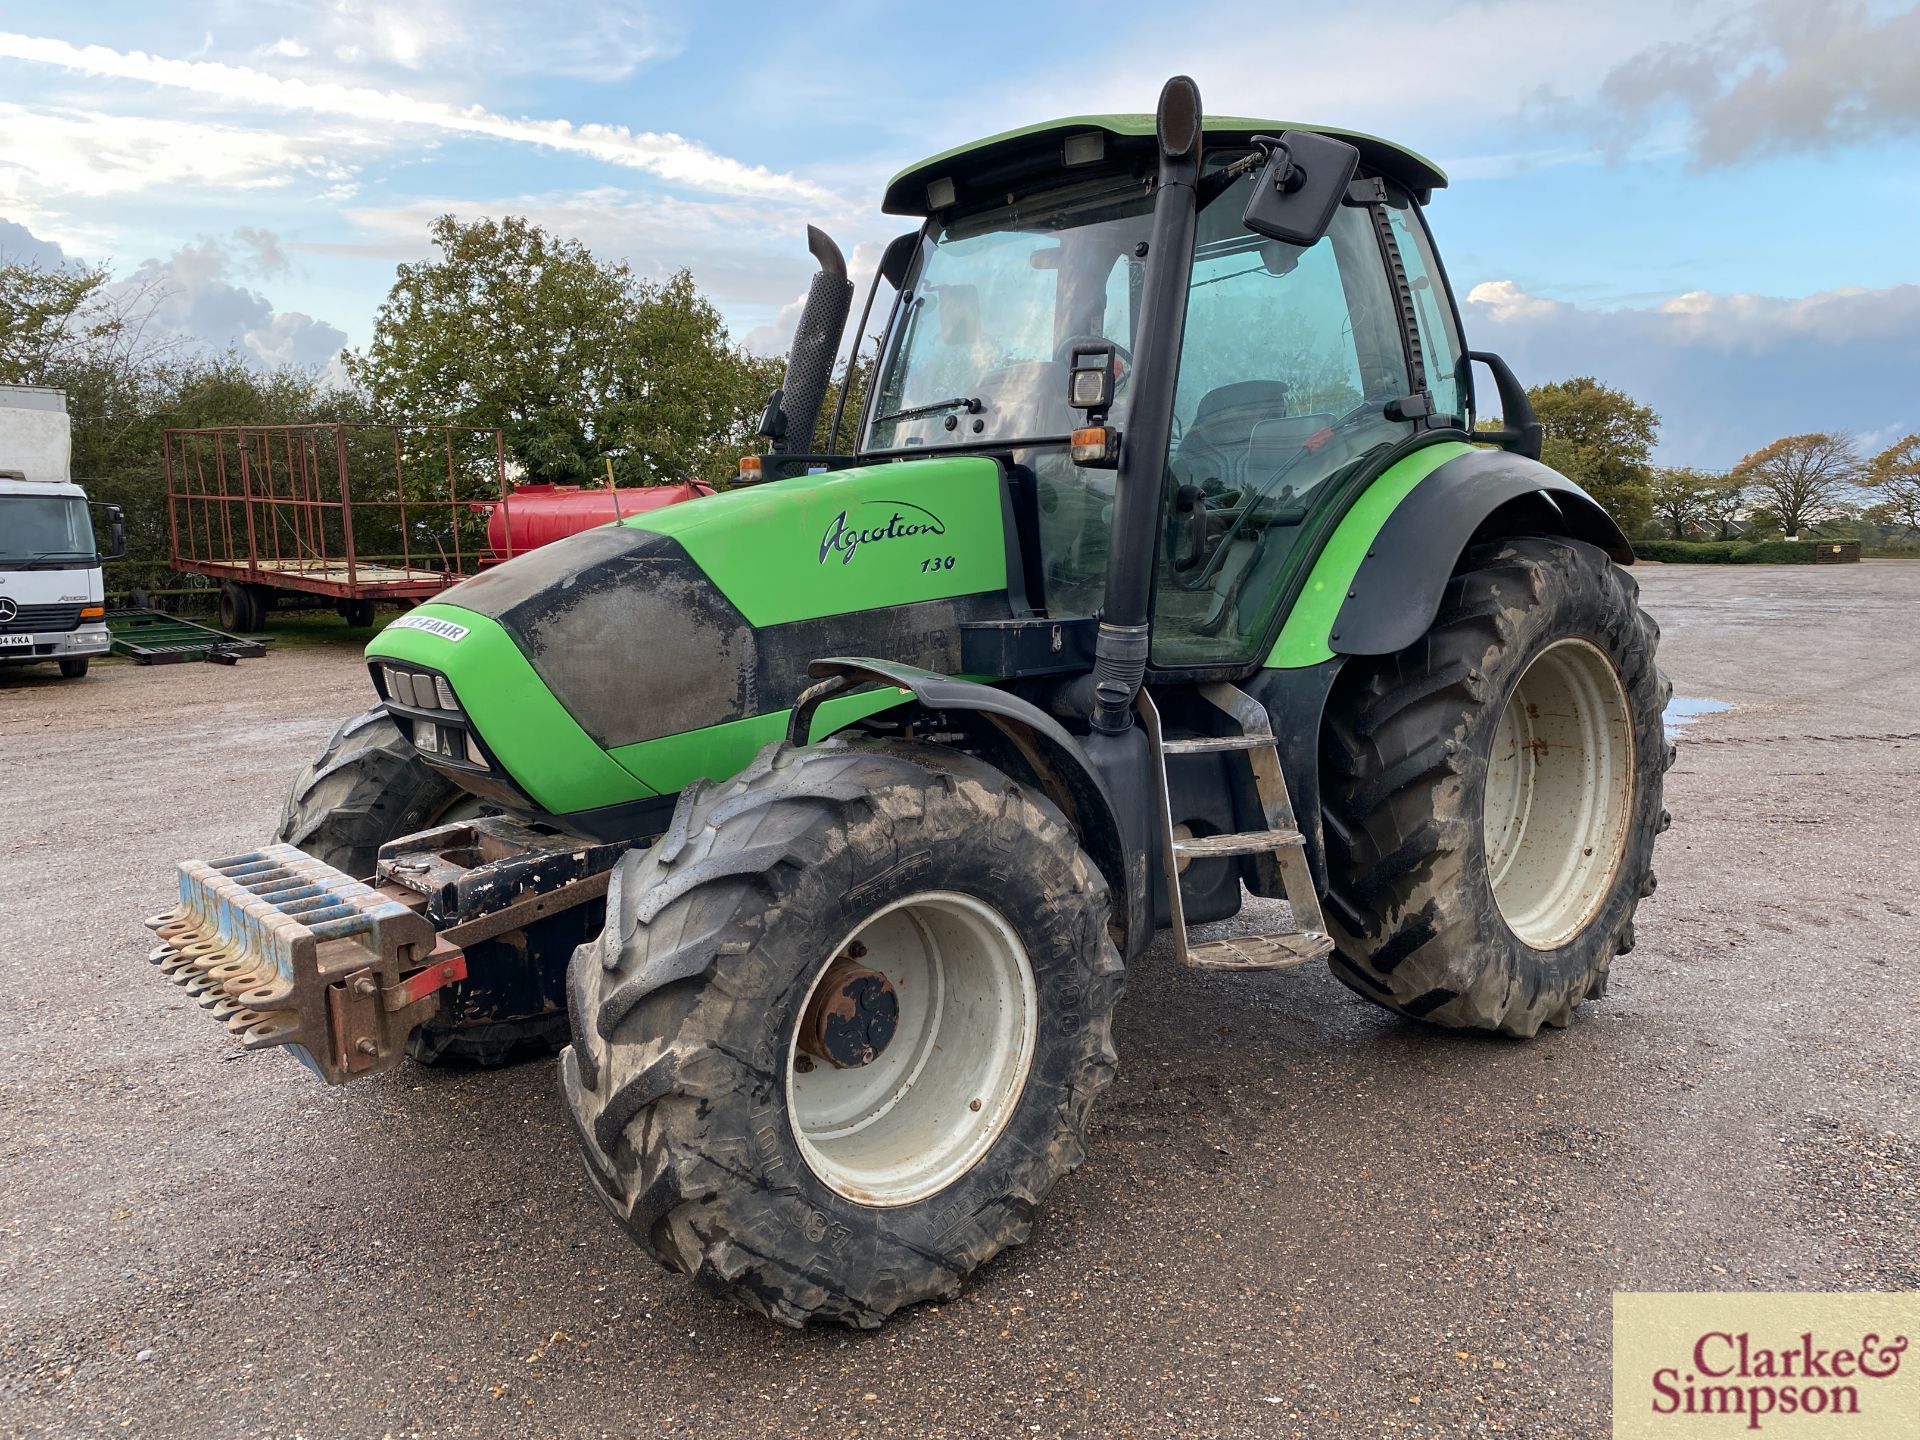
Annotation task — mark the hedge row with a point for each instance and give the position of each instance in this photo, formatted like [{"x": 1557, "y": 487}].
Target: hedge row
[{"x": 1726, "y": 552}]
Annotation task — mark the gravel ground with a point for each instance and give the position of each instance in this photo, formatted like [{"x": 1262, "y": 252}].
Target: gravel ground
[{"x": 1299, "y": 1215}]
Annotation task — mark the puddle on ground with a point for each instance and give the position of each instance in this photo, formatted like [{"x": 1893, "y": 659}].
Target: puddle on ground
[{"x": 1683, "y": 710}]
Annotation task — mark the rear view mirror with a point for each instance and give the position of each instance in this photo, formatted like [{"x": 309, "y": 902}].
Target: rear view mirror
[
  {"x": 116, "y": 534},
  {"x": 898, "y": 257},
  {"x": 1300, "y": 187}
]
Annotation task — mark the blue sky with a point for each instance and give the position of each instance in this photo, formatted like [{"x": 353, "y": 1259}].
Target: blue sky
[{"x": 1712, "y": 203}]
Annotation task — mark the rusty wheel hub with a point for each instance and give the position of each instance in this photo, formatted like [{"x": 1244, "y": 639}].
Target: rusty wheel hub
[{"x": 853, "y": 1014}]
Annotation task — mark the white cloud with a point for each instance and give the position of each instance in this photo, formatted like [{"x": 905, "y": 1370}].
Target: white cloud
[
  {"x": 744, "y": 259},
  {"x": 194, "y": 294},
  {"x": 1323, "y": 65},
  {"x": 51, "y": 157},
  {"x": 285, "y": 47},
  {"x": 671, "y": 157},
  {"x": 607, "y": 41},
  {"x": 776, "y": 336},
  {"x": 1779, "y": 75},
  {"x": 1728, "y": 373},
  {"x": 20, "y": 246}
]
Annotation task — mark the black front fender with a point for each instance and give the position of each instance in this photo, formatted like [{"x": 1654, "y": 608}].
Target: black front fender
[
  {"x": 1396, "y": 591},
  {"x": 1113, "y": 835}
]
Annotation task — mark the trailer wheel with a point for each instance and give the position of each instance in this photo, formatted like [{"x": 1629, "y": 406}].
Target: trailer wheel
[
  {"x": 243, "y": 610},
  {"x": 367, "y": 787},
  {"x": 843, "y": 1028},
  {"x": 1493, "y": 793},
  {"x": 357, "y": 613}
]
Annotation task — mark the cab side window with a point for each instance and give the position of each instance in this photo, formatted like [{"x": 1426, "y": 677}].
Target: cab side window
[
  {"x": 1290, "y": 360},
  {"x": 1433, "y": 314}
]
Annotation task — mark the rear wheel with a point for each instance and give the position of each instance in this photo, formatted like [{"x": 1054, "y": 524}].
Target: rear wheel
[
  {"x": 370, "y": 786},
  {"x": 843, "y": 1028},
  {"x": 1493, "y": 792},
  {"x": 74, "y": 667}
]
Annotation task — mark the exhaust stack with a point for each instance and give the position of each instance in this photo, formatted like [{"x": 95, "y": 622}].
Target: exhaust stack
[{"x": 816, "y": 342}]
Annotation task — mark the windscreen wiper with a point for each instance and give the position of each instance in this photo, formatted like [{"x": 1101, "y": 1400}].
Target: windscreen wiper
[{"x": 963, "y": 402}]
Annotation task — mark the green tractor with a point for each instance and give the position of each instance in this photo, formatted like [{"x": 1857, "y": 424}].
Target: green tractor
[{"x": 820, "y": 819}]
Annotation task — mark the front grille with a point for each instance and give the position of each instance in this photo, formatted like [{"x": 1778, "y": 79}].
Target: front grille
[{"x": 43, "y": 618}]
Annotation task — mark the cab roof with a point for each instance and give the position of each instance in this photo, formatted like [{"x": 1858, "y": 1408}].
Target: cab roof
[{"x": 979, "y": 167}]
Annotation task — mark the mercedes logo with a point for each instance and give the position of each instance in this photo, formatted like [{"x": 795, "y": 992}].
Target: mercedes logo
[{"x": 8, "y": 610}]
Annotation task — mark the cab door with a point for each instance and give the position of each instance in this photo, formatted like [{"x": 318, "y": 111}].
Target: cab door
[{"x": 1290, "y": 369}]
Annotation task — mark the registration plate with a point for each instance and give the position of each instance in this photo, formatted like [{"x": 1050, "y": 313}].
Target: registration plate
[{"x": 6, "y": 640}]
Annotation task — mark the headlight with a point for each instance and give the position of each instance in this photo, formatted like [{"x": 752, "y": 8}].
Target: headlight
[{"x": 445, "y": 736}]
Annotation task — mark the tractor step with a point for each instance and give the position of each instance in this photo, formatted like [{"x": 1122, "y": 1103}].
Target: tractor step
[
  {"x": 1281, "y": 848},
  {"x": 1211, "y": 744},
  {"x": 1251, "y": 842},
  {"x": 1259, "y": 952}
]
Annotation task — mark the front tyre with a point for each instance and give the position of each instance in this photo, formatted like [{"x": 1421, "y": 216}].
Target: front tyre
[
  {"x": 843, "y": 1028},
  {"x": 1493, "y": 792}
]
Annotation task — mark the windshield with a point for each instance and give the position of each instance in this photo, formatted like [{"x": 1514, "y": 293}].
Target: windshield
[
  {"x": 986, "y": 332},
  {"x": 44, "y": 527}
]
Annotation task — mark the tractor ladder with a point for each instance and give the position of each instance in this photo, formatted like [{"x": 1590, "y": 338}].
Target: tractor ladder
[{"x": 1280, "y": 848}]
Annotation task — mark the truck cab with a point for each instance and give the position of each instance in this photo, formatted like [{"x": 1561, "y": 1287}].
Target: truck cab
[{"x": 52, "y": 596}]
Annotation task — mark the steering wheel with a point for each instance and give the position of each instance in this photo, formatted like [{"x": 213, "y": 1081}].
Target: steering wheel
[{"x": 1241, "y": 513}]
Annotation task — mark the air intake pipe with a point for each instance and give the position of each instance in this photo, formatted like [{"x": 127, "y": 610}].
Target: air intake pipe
[
  {"x": 816, "y": 343},
  {"x": 1120, "y": 646}
]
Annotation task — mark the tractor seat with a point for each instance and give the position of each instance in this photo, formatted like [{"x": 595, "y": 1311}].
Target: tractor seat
[{"x": 1213, "y": 452}]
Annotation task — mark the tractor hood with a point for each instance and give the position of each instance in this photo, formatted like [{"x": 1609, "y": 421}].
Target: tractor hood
[{"x": 630, "y": 660}]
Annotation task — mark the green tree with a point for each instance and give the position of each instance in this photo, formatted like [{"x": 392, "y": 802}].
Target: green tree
[
  {"x": 1802, "y": 479},
  {"x": 1725, "y": 498},
  {"x": 1893, "y": 477},
  {"x": 49, "y": 317},
  {"x": 1682, "y": 498},
  {"x": 74, "y": 329},
  {"x": 1600, "y": 438},
  {"x": 576, "y": 359}
]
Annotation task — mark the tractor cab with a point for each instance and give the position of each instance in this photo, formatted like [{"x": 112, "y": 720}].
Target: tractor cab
[{"x": 1293, "y": 374}]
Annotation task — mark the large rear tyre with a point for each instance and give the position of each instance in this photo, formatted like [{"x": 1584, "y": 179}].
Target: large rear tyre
[
  {"x": 1493, "y": 792},
  {"x": 843, "y": 1028},
  {"x": 370, "y": 786}
]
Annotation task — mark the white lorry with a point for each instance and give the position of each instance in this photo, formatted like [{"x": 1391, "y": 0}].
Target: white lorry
[{"x": 52, "y": 597}]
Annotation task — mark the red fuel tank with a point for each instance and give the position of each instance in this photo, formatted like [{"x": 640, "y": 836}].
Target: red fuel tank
[{"x": 535, "y": 515}]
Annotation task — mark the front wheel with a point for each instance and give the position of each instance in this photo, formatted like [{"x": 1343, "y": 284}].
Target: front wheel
[
  {"x": 1493, "y": 792},
  {"x": 843, "y": 1028},
  {"x": 74, "y": 667}
]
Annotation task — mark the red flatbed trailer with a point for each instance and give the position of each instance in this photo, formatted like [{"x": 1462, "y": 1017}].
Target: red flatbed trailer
[
  {"x": 360, "y": 515},
  {"x": 355, "y": 514}
]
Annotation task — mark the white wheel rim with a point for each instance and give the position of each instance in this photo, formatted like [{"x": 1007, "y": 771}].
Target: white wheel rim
[
  {"x": 921, "y": 1114},
  {"x": 1559, "y": 793}
]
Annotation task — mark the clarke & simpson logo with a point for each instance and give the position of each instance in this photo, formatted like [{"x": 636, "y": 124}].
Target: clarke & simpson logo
[
  {"x": 844, "y": 537},
  {"x": 1784, "y": 1365},
  {"x": 1732, "y": 1375}
]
